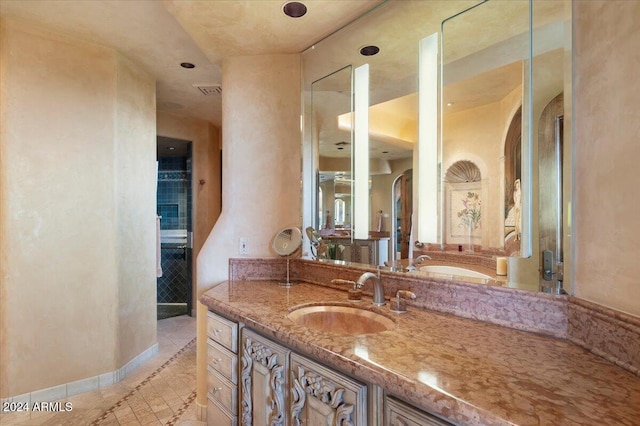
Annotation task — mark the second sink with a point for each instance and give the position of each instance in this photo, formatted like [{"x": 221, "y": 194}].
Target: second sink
[{"x": 341, "y": 319}]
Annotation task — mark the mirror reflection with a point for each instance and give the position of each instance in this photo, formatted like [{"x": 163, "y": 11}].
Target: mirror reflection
[
  {"x": 500, "y": 195},
  {"x": 331, "y": 99},
  {"x": 484, "y": 90}
]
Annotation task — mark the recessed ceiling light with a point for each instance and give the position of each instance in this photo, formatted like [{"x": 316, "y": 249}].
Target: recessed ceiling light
[
  {"x": 188, "y": 65},
  {"x": 294, "y": 9},
  {"x": 449, "y": 103},
  {"x": 369, "y": 50}
]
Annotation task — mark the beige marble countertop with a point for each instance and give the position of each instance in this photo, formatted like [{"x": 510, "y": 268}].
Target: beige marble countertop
[{"x": 470, "y": 372}]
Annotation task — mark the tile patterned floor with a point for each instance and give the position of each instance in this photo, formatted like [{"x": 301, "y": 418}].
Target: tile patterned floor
[{"x": 161, "y": 392}]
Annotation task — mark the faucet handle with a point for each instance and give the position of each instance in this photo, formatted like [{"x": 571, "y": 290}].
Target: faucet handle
[
  {"x": 349, "y": 282},
  {"x": 399, "y": 304},
  {"x": 355, "y": 294}
]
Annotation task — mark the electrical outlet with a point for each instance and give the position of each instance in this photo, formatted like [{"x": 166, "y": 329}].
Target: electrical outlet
[{"x": 244, "y": 246}]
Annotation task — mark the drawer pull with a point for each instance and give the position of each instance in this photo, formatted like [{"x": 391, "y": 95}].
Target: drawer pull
[
  {"x": 217, "y": 331},
  {"x": 214, "y": 390},
  {"x": 215, "y": 361}
]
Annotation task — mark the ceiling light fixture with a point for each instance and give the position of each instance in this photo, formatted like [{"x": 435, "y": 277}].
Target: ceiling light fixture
[
  {"x": 294, "y": 9},
  {"x": 187, "y": 65},
  {"x": 369, "y": 50}
]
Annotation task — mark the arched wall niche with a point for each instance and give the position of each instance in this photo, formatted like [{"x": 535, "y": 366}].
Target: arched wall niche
[{"x": 463, "y": 204}]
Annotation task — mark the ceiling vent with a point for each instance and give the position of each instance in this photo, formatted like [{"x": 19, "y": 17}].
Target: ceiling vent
[{"x": 209, "y": 89}]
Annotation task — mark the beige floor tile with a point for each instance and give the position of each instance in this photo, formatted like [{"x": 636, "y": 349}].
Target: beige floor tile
[
  {"x": 149, "y": 420},
  {"x": 130, "y": 423},
  {"x": 110, "y": 420},
  {"x": 164, "y": 415},
  {"x": 145, "y": 397},
  {"x": 174, "y": 403},
  {"x": 124, "y": 414}
]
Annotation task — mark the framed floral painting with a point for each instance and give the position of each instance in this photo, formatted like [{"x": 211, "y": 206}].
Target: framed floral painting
[{"x": 465, "y": 212}]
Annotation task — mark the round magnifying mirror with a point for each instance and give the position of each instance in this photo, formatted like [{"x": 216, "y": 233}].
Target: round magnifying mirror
[
  {"x": 287, "y": 241},
  {"x": 285, "y": 244}
]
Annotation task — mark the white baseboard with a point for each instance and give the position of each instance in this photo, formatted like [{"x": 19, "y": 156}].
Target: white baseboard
[{"x": 85, "y": 385}]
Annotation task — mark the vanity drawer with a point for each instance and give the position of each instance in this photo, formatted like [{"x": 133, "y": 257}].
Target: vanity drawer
[
  {"x": 223, "y": 331},
  {"x": 216, "y": 416},
  {"x": 398, "y": 413},
  {"x": 222, "y": 391},
  {"x": 222, "y": 360}
]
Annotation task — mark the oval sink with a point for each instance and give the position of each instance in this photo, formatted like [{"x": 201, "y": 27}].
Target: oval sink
[
  {"x": 454, "y": 270},
  {"x": 341, "y": 319}
]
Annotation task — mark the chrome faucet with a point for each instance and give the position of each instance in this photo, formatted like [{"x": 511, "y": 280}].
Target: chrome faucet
[
  {"x": 378, "y": 290},
  {"x": 418, "y": 260}
]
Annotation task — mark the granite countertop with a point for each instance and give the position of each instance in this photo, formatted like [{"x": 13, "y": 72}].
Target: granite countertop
[{"x": 469, "y": 372}]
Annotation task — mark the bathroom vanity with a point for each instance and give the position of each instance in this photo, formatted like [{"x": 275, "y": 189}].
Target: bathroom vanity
[
  {"x": 427, "y": 368},
  {"x": 280, "y": 386}
]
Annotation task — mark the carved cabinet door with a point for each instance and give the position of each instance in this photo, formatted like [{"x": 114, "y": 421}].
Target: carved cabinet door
[
  {"x": 264, "y": 381},
  {"x": 320, "y": 396}
]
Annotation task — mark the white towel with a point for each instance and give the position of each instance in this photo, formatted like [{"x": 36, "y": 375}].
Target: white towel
[
  {"x": 411, "y": 240},
  {"x": 158, "y": 252}
]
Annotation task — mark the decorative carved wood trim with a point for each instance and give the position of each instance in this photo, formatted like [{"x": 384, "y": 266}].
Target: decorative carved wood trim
[
  {"x": 257, "y": 352},
  {"x": 325, "y": 391}
]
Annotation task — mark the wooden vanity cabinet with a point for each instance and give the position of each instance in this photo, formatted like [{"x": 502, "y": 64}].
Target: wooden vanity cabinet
[
  {"x": 273, "y": 386},
  {"x": 398, "y": 413},
  {"x": 320, "y": 396},
  {"x": 222, "y": 371},
  {"x": 264, "y": 381}
]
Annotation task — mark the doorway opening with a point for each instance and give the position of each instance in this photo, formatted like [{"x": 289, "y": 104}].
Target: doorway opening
[
  {"x": 174, "y": 208},
  {"x": 401, "y": 211}
]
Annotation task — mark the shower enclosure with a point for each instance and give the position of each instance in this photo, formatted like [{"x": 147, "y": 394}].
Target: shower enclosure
[{"x": 174, "y": 288}]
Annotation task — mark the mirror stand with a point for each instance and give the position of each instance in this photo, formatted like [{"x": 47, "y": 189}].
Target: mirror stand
[{"x": 287, "y": 283}]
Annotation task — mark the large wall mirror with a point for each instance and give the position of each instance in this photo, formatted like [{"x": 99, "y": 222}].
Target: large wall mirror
[{"x": 504, "y": 130}]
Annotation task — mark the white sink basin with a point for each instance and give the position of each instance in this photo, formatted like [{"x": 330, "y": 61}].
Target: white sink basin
[{"x": 453, "y": 270}]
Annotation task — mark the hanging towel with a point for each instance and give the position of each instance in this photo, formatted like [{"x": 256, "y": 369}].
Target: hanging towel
[
  {"x": 411, "y": 239},
  {"x": 158, "y": 252}
]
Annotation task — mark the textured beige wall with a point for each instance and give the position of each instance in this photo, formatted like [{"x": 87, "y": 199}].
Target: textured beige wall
[
  {"x": 207, "y": 198},
  {"x": 261, "y": 169},
  {"x": 606, "y": 202},
  {"x": 69, "y": 111},
  {"x": 261, "y": 160},
  {"x": 135, "y": 189}
]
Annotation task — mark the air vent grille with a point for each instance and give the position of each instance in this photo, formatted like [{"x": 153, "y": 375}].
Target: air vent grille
[{"x": 209, "y": 89}]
